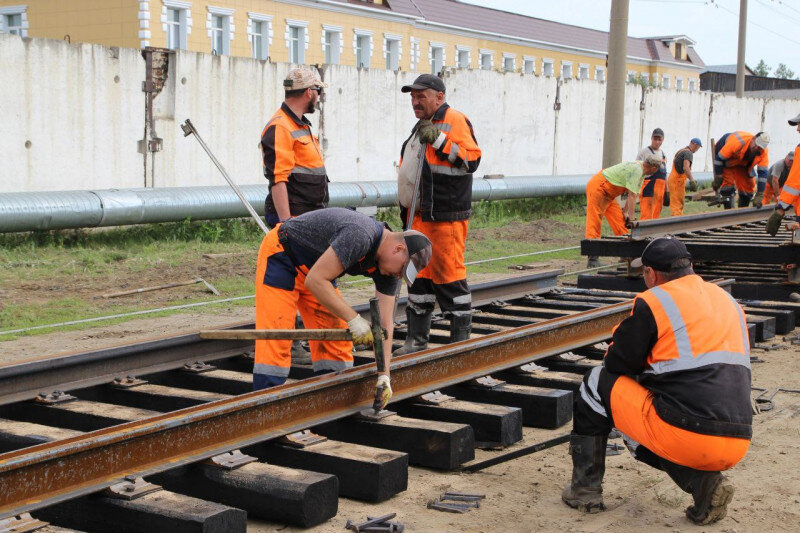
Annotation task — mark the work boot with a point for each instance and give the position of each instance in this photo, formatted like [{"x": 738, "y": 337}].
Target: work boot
[
  {"x": 593, "y": 262},
  {"x": 300, "y": 354},
  {"x": 418, "y": 330},
  {"x": 711, "y": 491},
  {"x": 744, "y": 199},
  {"x": 585, "y": 493},
  {"x": 460, "y": 327}
]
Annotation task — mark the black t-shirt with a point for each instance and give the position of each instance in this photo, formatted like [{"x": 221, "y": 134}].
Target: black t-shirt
[{"x": 683, "y": 155}]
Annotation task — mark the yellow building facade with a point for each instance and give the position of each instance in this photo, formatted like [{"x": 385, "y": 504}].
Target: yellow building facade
[{"x": 369, "y": 34}]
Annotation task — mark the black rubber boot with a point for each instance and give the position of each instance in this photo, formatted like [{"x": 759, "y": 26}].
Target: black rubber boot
[
  {"x": 460, "y": 327},
  {"x": 726, "y": 195},
  {"x": 593, "y": 262},
  {"x": 744, "y": 199},
  {"x": 585, "y": 493},
  {"x": 419, "y": 328},
  {"x": 711, "y": 491}
]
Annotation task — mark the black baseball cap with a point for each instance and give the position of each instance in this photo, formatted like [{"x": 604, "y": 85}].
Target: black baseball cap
[
  {"x": 664, "y": 254},
  {"x": 425, "y": 81},
  {"x": 658, "y": 132},
  {"x": 419, "y": 254}
]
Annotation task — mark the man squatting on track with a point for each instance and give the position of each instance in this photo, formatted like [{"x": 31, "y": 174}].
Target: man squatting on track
[
  {"x": 298, "y": 264},
  {"x": 675, "y": 382}
]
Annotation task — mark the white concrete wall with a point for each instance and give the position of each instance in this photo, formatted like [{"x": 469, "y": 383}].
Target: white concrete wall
[{"x": 84, "y": 123}]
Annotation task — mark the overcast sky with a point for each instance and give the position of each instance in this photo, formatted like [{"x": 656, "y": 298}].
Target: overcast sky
[{"x": 772, "y": 29}]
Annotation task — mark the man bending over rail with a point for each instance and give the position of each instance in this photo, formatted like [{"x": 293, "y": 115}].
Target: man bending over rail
[
  {"x": 675, "y": 382},
  {"x": 298, "y": 264}
]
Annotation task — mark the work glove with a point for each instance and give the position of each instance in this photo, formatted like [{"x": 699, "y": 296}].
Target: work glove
[
  {"x": 774, "y": 222},
  {"x": 361, "y": 331},
  {"x": 758, "y": 200},
  {"x": 383, "y": 389},
  {"x": 428, "y": 133},
  {"x": 717, "y": 183},
  {"x": 691, "y": 186}
]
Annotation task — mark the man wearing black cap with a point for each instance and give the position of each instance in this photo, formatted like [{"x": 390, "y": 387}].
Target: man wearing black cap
[
  {"x": 450, "y": 156},
  {"x": 790, "y": 193},
  {"x": 675, "y": 381},
  {"x": 298, "y": 264},
  {"x": 651, "y": 197}
]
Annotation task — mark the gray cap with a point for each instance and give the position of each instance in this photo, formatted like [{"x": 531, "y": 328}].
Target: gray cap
[
  {"x": 653, "y": 159},
  {"x": 762, "y": 139},
  {"x": 794, "y": 121},
  {"x": 425, "y": 81},
  {"x": 658, "y": 132},
  {"x": 419, "y": 254},
  {"x": 302, "y": 78}
]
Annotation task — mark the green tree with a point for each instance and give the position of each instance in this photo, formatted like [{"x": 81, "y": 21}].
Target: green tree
[
  {"x": 762, "y": 69},
  {"x": 784, "y": 72}
]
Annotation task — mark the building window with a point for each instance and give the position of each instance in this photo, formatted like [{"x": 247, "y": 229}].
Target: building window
[
  {"x": 437, "y": 57},
  {"x": 332, "y": 43},
  {"x": 566, "y": 70},
  {"x": 679, "y": 84},
  {"x": 220, "y": 29},
  {"x": 547, "y": 67},
  {"x": 583, "y": 72},
  {"x": 176, "y": 21},
  {"x": 14, "y": 20},
  {"x": 529, "y": 65},
  {"x": 665, "y": 82},
  {"x": 509, "y": 62},
  {"x": 414, "y": 53},
  {"x": 296, "y": 40},
  {"x": 599, "y": 73},
  {"x": 463, "y": 59},
  {"x": 362, "y": 46},
  {"x": 259, "y": 33},
  {"x": 392, "y": 51},
  {"x": 631, "y": 76},
  {"x": 678, "y": 50},
  {"x": 691, "y": 85},
  {"x": 487, "y": 60}
]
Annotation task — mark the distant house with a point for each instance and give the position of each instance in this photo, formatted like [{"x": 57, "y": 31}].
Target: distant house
[
  {"x": 722, "y": 79},
  {"x": 414, "y": 35}
]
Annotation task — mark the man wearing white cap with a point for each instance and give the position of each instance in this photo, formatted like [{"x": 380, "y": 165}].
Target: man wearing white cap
[
  {"x": 291, "y": 154},
  {"x": 790, "y": 193},
  {"x": 739, "y": 157}
]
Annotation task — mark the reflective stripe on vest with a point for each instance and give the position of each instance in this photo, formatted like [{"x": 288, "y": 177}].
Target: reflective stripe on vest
[{"x": 686, "y": 359}]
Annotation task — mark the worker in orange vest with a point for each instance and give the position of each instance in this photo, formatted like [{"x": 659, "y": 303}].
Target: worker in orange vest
[
  {"x": 675, "y": 381},
  {"x": 602, "y": 192},
  {"x": 681, "y": 171},
  {"x": 651, "y": 197},
  {"x": 790, "y": 192},
  {"x": 739, "y": 157}
]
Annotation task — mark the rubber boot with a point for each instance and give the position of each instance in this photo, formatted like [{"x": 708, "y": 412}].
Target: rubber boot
[
  {"x": 460, "y": 327},
  {"x": 744, "y": 199},
  {"x": 726, "y": 195},
  {"x": 419, "y": 328},
  {"x": 585, "y": 493},
  {"x": 711, "y": 491},
  {"x": 593, "y": 262}
]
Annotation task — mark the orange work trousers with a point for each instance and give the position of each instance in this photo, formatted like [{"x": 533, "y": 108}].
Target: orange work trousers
[
  {"x": 769, "y": 194},
  {"x": 677, "y": 193},
  {"x": 449, "y": 240},
  {"x": 280, "y": 293},
  {"x": 601, "y": 196},
  {"x": 738, "y": 177},
  {"x": 651, "y": 198},
  {"x": 634, "y": 415}
]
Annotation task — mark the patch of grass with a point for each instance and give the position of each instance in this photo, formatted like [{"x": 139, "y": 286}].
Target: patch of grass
[{"x": 486, "y": 214}]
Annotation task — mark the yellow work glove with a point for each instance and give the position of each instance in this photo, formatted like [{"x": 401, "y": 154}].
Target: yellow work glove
[
  {"x": 361, "y": 331},
  {"x": 384, "y": 389}
]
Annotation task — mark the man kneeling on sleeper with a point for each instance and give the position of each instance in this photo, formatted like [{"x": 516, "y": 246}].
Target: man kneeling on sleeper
[
  {"x": 675, "y": 382},
  {"x": 298, "y": 264}
]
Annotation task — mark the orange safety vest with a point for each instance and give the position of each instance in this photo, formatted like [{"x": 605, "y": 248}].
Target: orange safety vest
[
  {"x": 790, "y": 192},
  {"x": 733, "y": 153},
  {"x": 701, "y": 358},
  {"x": 291, "y": 154}
]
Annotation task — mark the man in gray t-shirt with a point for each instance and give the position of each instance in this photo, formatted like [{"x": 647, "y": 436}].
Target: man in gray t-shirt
[
  {"x": 298, "y": 264},
  {"x": 778, "y": 173},
  {"x": 651, "y": 196}
]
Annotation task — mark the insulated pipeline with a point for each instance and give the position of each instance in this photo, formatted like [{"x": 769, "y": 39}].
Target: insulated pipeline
[{"x": 29, "y": 211}]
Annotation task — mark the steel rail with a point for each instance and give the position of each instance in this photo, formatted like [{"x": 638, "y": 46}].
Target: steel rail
[
  {"x": 49, "y": 473},
  {"x": 25, "y": 380},
  {"x": 644, "y": 229}
]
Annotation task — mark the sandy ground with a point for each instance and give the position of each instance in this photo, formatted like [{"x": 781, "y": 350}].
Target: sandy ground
[{"x": 524, "y": 494}]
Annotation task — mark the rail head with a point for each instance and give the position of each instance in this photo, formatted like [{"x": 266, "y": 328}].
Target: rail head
[{"x": 645, "y": 229}]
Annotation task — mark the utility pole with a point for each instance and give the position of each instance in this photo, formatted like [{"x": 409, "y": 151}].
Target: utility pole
[
  {"x": 615, "y": 84},
  {"x": 742, "y": 41}
]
